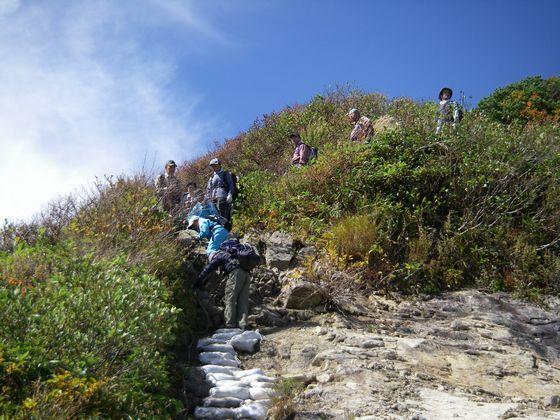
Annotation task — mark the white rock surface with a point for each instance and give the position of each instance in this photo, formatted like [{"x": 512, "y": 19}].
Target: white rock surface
[{"x": 236, "y": 393}]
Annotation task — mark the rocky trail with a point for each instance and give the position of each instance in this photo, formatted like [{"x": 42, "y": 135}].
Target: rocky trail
[{"x": 466, "y": 355}]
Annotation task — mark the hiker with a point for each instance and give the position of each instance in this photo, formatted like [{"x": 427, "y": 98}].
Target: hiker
[
  {"x": 363, "y": 128},
  {"x": 449, "y": 111},
  {"x": 236, "y": 261},
  {"x": 209, "y": 229},
  {"x": 192, "y": 197},
  {"x": 301, "y": 152},
  {"x": 168, "y": 187},
  {"x": 220, "y": 189}
]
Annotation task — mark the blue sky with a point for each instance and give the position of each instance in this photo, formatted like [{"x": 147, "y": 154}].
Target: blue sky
[{"x": 93, "y": 88}]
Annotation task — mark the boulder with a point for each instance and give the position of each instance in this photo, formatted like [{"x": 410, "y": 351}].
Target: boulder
[
  {"x": 306, "y": 253},
  {"x": 302, "y": 294},
  {"x": 187, "y": 236},
  {"x": 279, "y": 250}
]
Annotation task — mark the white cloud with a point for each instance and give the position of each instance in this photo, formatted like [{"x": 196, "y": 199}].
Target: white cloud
[
  {"x": 9, "y": 6},
  {"x": 81, "y": 97}
]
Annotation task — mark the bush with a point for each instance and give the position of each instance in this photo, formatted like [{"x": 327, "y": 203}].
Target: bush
[
  {"x": 531, "y": 100},
  {"x": 415, "y": 211},
  {"x": 89, "y": 338}
]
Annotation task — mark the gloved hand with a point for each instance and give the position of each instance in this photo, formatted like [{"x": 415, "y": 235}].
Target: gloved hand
[{"x": 229, "y": 198}]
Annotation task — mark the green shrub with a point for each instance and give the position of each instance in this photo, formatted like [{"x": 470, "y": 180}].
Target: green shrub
[
  {"x": 531, "y": 100},
  {"x": 89, "y": 339}
]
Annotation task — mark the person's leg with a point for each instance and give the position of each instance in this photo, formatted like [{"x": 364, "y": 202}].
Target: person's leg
[
  {"x": 230, "y": 298},
  {"x": 243, "y": 300}
]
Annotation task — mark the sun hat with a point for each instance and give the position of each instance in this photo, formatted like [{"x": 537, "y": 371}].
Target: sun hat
[
  {"x": 445, "y": 89},
  {"x": 192, "y": 220}
]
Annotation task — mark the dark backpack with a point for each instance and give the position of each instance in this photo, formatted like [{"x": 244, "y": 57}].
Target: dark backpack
[
  {"x": 222, "y": 221},
  {"x": 245, "y": 254},
  {"x": 235, "y": 190},
  {"x": 313, "y": 153}
]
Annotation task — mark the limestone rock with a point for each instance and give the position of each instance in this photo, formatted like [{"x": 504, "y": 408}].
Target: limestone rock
[
  {"x": 302, "y": 294},
  {"x": 279, "y": 250}
]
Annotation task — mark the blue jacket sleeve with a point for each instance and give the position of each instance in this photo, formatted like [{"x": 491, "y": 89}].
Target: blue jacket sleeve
[{"x": 205, "y": 230}]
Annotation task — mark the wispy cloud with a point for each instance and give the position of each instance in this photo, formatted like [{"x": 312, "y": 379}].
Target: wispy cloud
[{"x": 83, "y": 93}]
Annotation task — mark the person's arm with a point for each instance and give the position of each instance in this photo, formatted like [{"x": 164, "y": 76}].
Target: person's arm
[
  {"x": 216, "y": 262},
  {"x": 297, "y": 155},
  {"x": 209, "y": 187},
  {"x": 354, "y": 135},
  {"x": 456, "y": 113},
  {"x": 160, "y": 182},
  {"x": 203, "y": 229}
]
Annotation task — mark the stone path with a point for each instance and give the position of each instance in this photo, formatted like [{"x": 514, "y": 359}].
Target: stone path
[{"x": 235, "y": 393}]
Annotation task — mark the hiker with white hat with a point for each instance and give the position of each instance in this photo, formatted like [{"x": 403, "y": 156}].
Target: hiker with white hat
[
  {"x": 220, "y": 189},
  {"x": 168, "y": 187},
  {"x": 449, "y": 112},
  {"x": 363, "y": 128},
  {"x": 209, "y": 229}
]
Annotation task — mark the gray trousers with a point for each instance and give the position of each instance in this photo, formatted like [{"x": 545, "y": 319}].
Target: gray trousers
[{"x": 236, "y": 298}]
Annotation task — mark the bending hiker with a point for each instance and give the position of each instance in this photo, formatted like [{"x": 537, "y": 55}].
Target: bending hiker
[
  {"x": 236, "y": 261},
  {"x": 301, "y": 152},
  {"x": 363, "y": 128},
  {"x": 449, "y": 111},
  {"x": 220, "y": 189},
  {"x": 168, "y": 187},
  {"x": 209, "y": 229}
]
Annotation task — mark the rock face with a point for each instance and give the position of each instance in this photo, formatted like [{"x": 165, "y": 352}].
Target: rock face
[
  {"x": 302, "y": 295},
  {"x": 279, "y": 250},
  {"x": 465, "y": 355}
]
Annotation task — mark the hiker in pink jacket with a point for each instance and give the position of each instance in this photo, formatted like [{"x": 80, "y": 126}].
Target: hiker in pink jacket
[{"x": 302, "y": 151}]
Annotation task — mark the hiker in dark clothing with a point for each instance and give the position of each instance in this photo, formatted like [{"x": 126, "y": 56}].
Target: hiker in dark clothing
[
  {"x": 220, "y": 189},
  {"x": 301, "y": 152},
  {"x": 449, "y": 112},
  {"x": 237, "y": 287}
]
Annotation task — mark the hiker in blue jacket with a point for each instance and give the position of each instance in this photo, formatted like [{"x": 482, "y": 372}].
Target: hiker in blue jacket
[{"x": 208, "y": 229}]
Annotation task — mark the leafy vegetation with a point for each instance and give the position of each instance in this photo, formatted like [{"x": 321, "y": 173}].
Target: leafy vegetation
[
  {"x": 532, "y": 100},
  {"x": 94, "y": 311},
  {"x": 411, "y": 210},
  {"x": 93, "y": 304}
]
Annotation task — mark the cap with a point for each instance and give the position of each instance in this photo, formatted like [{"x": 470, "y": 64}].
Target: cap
[
  {"x": 170, "y": 163},
  {"x": 215, "y": 161},
  {"x": 192, "y": 220}
]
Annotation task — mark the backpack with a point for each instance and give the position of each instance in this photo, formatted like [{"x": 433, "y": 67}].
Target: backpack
[
  {"x": 313, "y": 153},
  {"x": 222, "y": 221},
  {"x": 245, "y": 254},
  {"x": 235, "y": 190}
]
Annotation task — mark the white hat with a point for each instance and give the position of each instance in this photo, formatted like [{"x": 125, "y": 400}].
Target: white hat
[
  {"x": 353, "y": 111},
  {"x": 215, "y": 161},
  {"x": 192, "y": 220}
]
